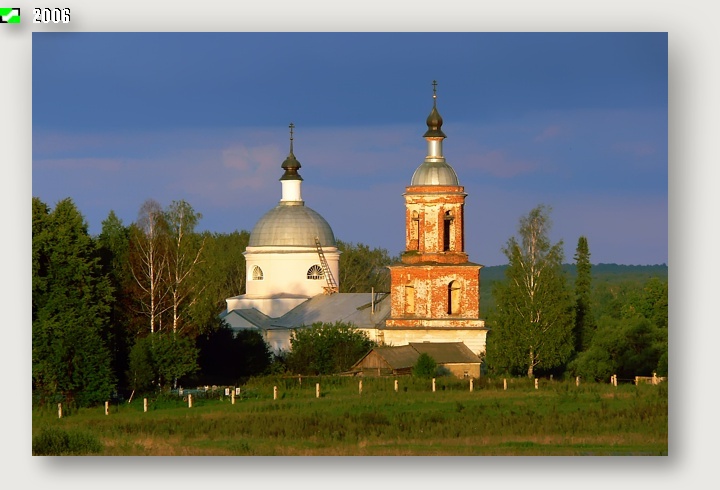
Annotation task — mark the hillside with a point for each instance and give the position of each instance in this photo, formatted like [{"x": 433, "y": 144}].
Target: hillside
[{"x": 601, "y": 273}]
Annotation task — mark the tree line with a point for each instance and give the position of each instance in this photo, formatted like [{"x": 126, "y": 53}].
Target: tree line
[
  {"x": 136, "y": 308},
  {"x": 541, "y": 323}
]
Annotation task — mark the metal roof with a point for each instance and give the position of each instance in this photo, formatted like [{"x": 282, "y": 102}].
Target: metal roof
[
  {"x": 252, "y": 315},
  {"x": 446, "y": 352},
  {"x": 405, "y": 356},
  {"x": 355, "y": 308},
  {"x": 435, "y": 173},
  {"x": 291, "y": 224}
]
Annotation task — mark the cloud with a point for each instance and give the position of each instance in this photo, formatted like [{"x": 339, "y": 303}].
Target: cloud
[
  {"x": 548, "y": 133},
  {"x": 253, "y": 166},
  {"x": 638, "y": 148},
  {"x": 498, "y": 164},
  {"x": 80, "y": 164}
]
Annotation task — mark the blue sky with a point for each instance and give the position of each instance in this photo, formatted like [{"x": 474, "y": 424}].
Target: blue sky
[{"x": 577, "y": 121}]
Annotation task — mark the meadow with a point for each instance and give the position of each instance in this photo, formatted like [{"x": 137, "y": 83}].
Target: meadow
[{"x": 557, "y": 418}]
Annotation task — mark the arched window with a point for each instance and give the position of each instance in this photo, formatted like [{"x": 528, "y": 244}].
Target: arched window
[
  {"x": 454, "y": 291},
  {"x": 415, "y": 231},
  {"x": 409, "y": 299},
  {"x": 447, "y": 230},
  {"x": 257, "y": 274},
  {"x": 315, "y": 273}
]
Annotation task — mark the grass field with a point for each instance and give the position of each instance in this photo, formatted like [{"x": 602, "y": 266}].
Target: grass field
[{"x": 559, "y": 418}]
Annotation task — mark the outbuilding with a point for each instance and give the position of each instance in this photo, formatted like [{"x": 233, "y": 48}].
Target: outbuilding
[{"x": 455, "y": 357}]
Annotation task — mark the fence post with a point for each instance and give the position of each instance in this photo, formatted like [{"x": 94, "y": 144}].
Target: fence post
[
  {"x": 577, "y": 380},
  {"x": 536, "y": 383},
  {"x": 107, "y": 408},
  {"x": 655, "y": 379},
  {"x": 504, "y": 383},
  {"x": 360, "y": 387},
  {"x": 433, "y": 384},
  {"x": 144, "y": 404},
  {"x": 59, "y": 410},
  {"x": 189, "y": 400},
  {"x": 471, "y": 385},
  {"x": 274, "y": 392},
  {"x": 317, "y": 390},
  {"x": 232, "y": 397},
  {"x": 396, "y": 385}
]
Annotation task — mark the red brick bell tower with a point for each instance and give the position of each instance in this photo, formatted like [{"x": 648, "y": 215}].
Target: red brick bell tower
[{"x": 435, "y": 290}]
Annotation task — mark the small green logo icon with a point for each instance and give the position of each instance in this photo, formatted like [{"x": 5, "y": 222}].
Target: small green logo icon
[{"x": 9, "y": 15}]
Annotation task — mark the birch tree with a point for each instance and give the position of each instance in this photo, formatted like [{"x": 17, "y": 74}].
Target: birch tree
[
  {"x": 532, "y": 327},
  {"x": 184, "y": 254},
  {"x": 149, "y": 262}
]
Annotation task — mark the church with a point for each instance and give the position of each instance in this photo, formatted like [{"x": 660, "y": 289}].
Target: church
[{"x": 292, "y": 265}]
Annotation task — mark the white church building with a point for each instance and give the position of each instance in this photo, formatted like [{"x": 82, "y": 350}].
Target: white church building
[{"x": 292, "y": 267}]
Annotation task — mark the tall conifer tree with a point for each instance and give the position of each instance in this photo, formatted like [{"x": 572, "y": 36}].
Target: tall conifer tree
[
  {"x": 71, "y": 302},
  {"x": 584, "y": 324}
]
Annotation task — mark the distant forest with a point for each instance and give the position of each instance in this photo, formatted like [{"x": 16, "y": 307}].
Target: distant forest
[{"x": 602, "y": 275}]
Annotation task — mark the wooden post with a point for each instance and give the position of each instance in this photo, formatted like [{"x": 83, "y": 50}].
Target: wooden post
[
  {"x": 536, "y": 383},
  {"x": 655, "y": 379},
  {"x": 232, "y": 397},
  {"x": 360, "y": 387},
  {"x": 471, "y": 385},
  {"x": 189, "y": 400},
  {"x": 300, "y": 380},
  {"x": 433, "y": 385},
  {"x": 274, "y": 392},
  {"x": 59, "y": 410},
  {"x": 107, "y": 408},
  {"x": 504, "y": 383},
  {"x": 577, "y": 380},
  {"x": 396, "y": 385},
  {"x": 317, "y": 390},
  {"x": 144, "y": 404}
]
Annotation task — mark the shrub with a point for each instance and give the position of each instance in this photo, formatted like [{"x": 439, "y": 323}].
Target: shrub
[
  {"x": 58, "y": 442},
  {"x": 425, "y": 366}
]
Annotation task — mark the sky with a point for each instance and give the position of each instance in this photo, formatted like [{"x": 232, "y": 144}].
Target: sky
[{"x": 575, "y": 121}]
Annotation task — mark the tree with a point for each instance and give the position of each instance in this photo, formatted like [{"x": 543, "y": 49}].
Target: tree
[
  {"x": 584, "y": 325},
  {"x": 363, "y": 268},
  {"x": 70, "y": 307},
  {"x": 222, "y": 274},
  {"x": 161, "y": 359},
  {"x": 184, "y": 254},
  {"x": 226, "y": 358},
  {"x": 326, "y": 348},
  {"x": 424, "y": 367},
  {"x": 532, "y": 326},
  {"x": 113, "y": 248},
  {"x": 149, "y": 264}
]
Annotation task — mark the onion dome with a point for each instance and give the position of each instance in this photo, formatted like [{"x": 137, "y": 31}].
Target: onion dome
[
  {"x": 291, "y": 223},
  {"x": 291, "y": 164},
  {"x": 434, "y": 170}
]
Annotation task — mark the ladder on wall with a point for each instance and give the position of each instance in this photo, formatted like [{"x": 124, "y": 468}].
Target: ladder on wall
[{"x": 332, "y": 286}]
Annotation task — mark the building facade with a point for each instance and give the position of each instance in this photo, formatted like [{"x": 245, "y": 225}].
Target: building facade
[{"x": 435, "y": 289}]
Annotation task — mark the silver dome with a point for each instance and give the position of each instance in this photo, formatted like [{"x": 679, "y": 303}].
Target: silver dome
[
  {"x": 291, "y": 225},
  {"x": 434, "y": 173}
]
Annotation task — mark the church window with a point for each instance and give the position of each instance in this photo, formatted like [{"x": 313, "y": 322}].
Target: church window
[
  {"x": 414, "y": 231},
  {"x": 410, "y": 299},
  {"x": 454, "y": 298},
  {"x": 315, "y": 272},
  {"x": 447, "y": 230},
  {"x": 257, "y": 274}
]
